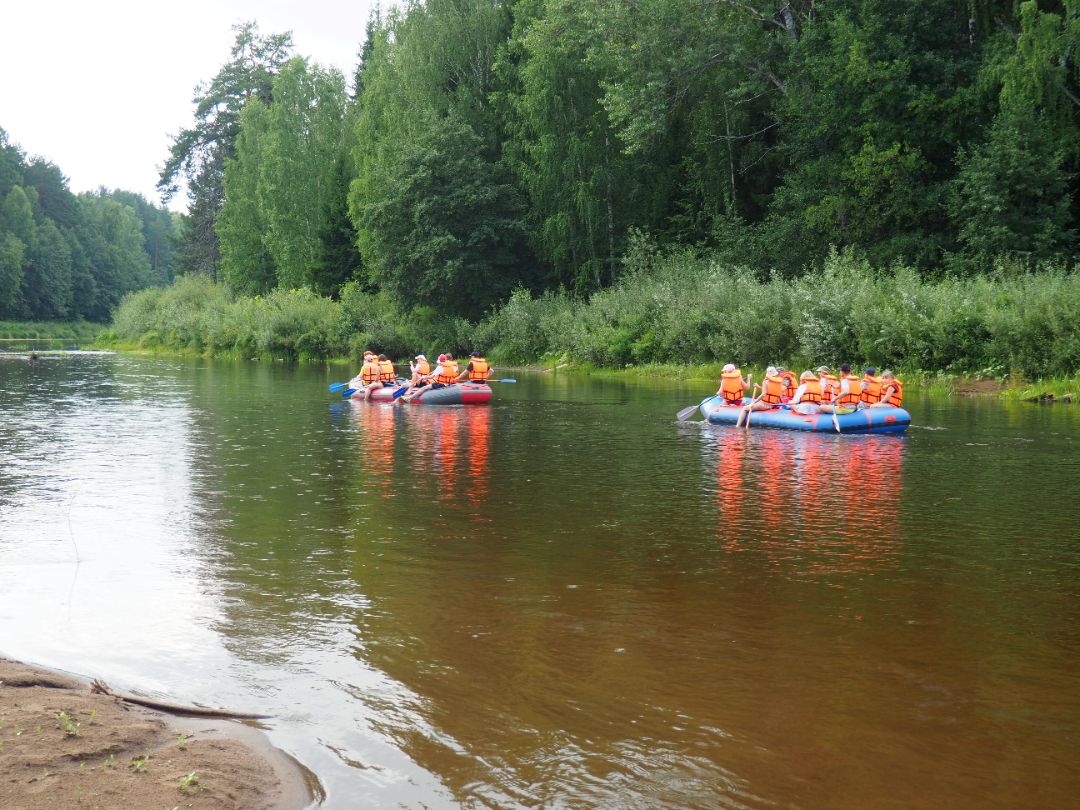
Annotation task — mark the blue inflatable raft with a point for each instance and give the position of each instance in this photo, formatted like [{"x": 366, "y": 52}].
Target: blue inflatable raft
[{"x": 867, "y": 420}]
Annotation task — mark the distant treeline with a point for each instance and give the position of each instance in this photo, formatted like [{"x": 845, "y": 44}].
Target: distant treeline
[
  {"x": 66, "y": 257},
  {"x": 483, "y": 146},
  {"x": 677, "y": 307}
]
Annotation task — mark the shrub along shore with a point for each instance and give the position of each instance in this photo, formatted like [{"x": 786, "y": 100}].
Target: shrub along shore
[{"x": 677, "y": 309}]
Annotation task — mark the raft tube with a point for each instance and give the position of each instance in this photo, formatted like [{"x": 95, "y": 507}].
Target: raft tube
[
  {"x": 867, "y": 420},
  {"x": 463, "y": 393}
]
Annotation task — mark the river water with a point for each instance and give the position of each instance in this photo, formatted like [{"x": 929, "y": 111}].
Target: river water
[{"x": 564, "y": 599}]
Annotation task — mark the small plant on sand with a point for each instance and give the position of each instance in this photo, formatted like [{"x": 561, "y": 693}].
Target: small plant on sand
[
  {"x": 182, "y": 742},
  {"x": 70, "y": 727},
  {"x": 110, "y": 761},
  {"x": 138, "y": 764},
  {"x": 190, "y": 782}
]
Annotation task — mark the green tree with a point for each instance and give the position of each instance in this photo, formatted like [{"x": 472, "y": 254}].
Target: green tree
[
  {"x": 46, "y": 286},
  {"x": 12, "y": 251},
  {"x": 12, "y": 164},
  {"x": 303, "y": 142},
  {"x": 197, "y": 156},
  {"x": 17, "y": 216},
  {"x": 246, "y": 265},
  {"x": 445, "y": 231}
]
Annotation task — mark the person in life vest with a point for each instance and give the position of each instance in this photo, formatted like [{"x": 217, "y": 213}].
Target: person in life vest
[
  {"x": 871, "y": 388},
  {"x": 830, "y": 388},
  {"x": 381, "y": 369},
  {"x": 773, "y": 391},
  {"x": 892, "y": 392},
  {"x": 419, "y": 369},
  {"x": 441, "y": 376},
  {"x": 358, "y": 380},
  {"x": 369, "y": 374},
  {"x": 732, "y": 385},
  {"x": 807, "y": 397},
  {"x": 477, "y": 371},
  {"x": 789, "y": 381},
  {"x": 850, "y": 391}
]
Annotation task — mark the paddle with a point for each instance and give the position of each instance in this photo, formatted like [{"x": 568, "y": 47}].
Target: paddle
[
  {"x": 745, "y": 412},
  {"x": 335, "y": 387},
  {"x": 500, "y": 380},
  {"x": 835, "y": 421},
  {"x": 401, "y": 391},
  {"x": 685, "y": 413},
  {"x": 348, "y": 392}
]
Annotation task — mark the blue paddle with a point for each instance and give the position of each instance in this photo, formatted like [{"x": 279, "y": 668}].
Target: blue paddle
[
  {"x": 335, "y": 387},
  {"x": 502, "y": 381},
  {"x": 348, "y": 392}
]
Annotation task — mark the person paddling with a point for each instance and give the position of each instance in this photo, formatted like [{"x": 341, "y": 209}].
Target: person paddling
[
  {"x": 807, "y": 397},
  {"x": 444, "y": 374},
  {"x": 732, "y": 385},
  {"x": 477, "y": 371},
  {"x": 850, "y": 390}
]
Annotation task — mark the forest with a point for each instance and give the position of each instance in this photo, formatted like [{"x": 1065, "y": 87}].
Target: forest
[
  {"x": 67, "y": 257},
  {"x": 493, "y": 154}
]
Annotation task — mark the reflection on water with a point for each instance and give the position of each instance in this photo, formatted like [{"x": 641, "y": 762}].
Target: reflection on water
[
  {"x": 563, "y": 599},
  {"x": 817, "y": 503}
]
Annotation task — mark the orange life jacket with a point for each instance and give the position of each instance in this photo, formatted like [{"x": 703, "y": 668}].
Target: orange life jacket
[
  {"x": 480, "y": 370},
  {"x": 830, "y": 386},
  {"x": 812, "y": 392},
  {"x": 872, "y": 392},
  {"x": 896, "y": 396},
  {"x": 854, "y": 391},
  {"x": 790, "y": 383},
  {"x": 386, "y": 371},
  {"x": 449, "y": 373},
  {"x": 423, "y": 368},
  {"x": 370, "y": 372},
  {"x": 772, "y": 390},
  {"x": 731, "y": 387}
]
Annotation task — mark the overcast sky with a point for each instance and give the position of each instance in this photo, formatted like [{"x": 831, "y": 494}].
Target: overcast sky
[{"x": 98, "y": 88}]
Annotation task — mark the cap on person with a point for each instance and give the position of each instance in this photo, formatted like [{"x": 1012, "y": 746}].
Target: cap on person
[
  {"x": 419, "y": 357},
  {"x": 729, "y": 367},
  {"x": 845, "y": 368},
  {"x": 870, "y": 371},
  {"x": 770, "y": 371},
  {"x": 806, "y": 375},
  {"x": 475, "y": 354},
  {"x": 822, "y": 369},
  {"x": 442, "y": 358}
]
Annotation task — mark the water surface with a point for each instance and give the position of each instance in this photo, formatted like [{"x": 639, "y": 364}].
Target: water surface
[{"x": 565, "y": 599}]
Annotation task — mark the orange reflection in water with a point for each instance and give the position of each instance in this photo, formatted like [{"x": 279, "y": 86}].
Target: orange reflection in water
[
  {"x": 376, "y": 423},
  {"x": 730, "y": 490},
  {"x": 477, "y": 443},
  {"x": 823, "y": 503}
]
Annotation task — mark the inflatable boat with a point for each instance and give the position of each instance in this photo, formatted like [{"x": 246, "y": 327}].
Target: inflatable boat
[
  {"x": 867, "y": 420},
  {"x": 463, "y": 393}
]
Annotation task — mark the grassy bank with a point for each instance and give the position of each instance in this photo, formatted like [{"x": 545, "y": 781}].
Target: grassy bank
[
  {"x": 677, "y": 310},
  {"x": 81, "y": 332}
]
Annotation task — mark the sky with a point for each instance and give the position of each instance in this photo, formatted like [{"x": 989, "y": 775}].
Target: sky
[{"x": 101, "y": 88}]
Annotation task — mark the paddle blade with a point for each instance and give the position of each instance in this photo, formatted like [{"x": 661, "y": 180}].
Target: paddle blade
[
  {"x": 835, "y": 422},
  {"x": 685, "y": 413},
  {"x": 335, "y": 387},
  {"x": 502, "y": 380},
  {"x": 348, "y": 392},
  {"x": 401, "y": 392}
]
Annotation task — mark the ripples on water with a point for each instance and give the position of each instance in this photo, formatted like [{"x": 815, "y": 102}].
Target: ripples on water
[{"x": 564, "y": 599}]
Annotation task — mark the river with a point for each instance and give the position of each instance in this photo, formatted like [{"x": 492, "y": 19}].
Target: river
[{"x": 563, "y": 599}]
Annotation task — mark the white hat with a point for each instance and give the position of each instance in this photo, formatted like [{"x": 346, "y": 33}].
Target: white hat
[
  {"x": 729, "y": 367},
  {"x": 770, "y": 371},
  {"x": 419, "y": 357}
]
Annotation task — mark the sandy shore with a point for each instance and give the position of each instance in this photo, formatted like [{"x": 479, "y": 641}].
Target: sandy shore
[{"x": 62, "y": 746}]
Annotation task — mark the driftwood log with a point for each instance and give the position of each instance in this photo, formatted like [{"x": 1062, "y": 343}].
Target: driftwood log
[{"x": 99, "y": 687}]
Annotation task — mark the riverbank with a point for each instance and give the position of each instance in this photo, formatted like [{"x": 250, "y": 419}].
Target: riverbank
[{"x": 63, "y": 746}]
